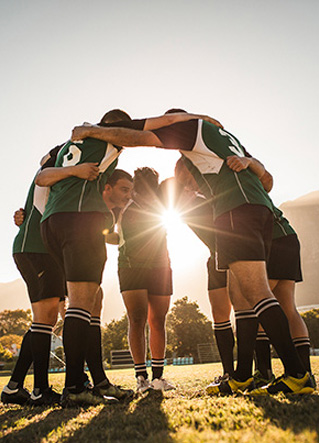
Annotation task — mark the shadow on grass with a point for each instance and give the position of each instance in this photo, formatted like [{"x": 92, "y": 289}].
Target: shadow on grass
[
  {"x": 296, "y": 413},
  {"x": 141, "y": 420},
  {"x": 38, "y": 429}
]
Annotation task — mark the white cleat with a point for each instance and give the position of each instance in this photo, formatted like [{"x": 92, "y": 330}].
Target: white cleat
[
  {"x": 160, "y": 384},
  {"x": 143, "y": 384}
]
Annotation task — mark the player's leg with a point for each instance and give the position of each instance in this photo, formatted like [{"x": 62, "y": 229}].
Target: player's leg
[
  {"x": 284, "y": 291},
  {"x": 263, "y": 369}
]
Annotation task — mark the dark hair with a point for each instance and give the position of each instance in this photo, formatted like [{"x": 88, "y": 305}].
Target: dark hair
[
  {"x": 175, "y": 110},
  {"x": 114, "y": 115},
  {"x": 170, "y": 192},
  {"x": 145, "y": 179},
  {"x": 117, "y": 175}
]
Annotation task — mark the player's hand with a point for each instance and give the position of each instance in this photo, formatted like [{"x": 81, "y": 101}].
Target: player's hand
[
  {"x": 80, "y": 132},
  {"x": 237, "y": 164},
  {"x": 213, "y": 121},
  {"x": 19, "y": 216},
  {"x": 86, "y": 171}
]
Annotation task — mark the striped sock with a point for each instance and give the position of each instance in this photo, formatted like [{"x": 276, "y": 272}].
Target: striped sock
[
  {"x": 246, "y": 331},
  {"x": 275, "y": 324},
  {"x": 140, "y": 369},
  {"x": 94, "y": 352},
  {"x": 41, "y": 345},
  {"x": 157, "y": 367},
  {"x": 302, "y": 344},
  {"x": 263, "y": 354},
  {"x": 225, "y": 342},
  {"x": 75, "y": 340}
]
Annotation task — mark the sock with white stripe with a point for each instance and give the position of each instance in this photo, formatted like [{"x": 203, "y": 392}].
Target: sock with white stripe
[
  {"x": 157, "y": 367},
  {"x": 41, "y": 345},
  {"x": 94, "y": 352},
  {"x": 263, "y": 354},
  {"x": 140, "y": 369},
  {"x": 246, "y": 331},
  {"x": 225, "y": 342},
  {"x": 302, "y": 345},
  {"x": 75, "y": 339},
  {"x": 275, "y": 324},
  {"x": 23, "y": 363}
]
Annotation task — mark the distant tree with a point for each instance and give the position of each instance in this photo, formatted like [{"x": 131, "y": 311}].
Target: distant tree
[
  {"x": 58, "y": 328},
  {"x": 311, "y": 319},
  {"x": 15, "y": 322},
  {"x": 12, "y": 339},
  {"x": 186, "y": 328},
  {"x": 114, "y": 336},
  {"x": 5, "y": 354}
]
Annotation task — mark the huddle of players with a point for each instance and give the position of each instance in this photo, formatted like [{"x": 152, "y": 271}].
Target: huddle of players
[{"x": 240, "y": 232}]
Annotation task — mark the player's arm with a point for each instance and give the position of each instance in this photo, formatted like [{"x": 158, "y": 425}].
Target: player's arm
[
  {"x": 170, "y": 119},
  {"x": 50, "y": 176},
  {"x": 238, "y": 164},
  {"x": 117, "y": 136}
]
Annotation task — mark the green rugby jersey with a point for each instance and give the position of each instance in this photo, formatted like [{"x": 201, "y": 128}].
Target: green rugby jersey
[
  {"x": 282, "y": 226},
  {"x": 143, "y": 241},
  {"x": 74, "y": 194},
  {"x": 29, "y": 238},
  {"x": 207, "y": 147}
]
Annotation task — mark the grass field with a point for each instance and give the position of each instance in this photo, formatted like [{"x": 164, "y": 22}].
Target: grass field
[{"x": 185, "y": 415}]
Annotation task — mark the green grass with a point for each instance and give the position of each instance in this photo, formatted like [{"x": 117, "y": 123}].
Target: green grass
[{"x": 185, "y": 415}]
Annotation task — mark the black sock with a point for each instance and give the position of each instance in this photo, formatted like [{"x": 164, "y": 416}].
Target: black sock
[
  {"x": 246, "y": 331},
  {"x": 94, "y": 352},
  {"x": 24, "y": 361},
  {"x": 263, "y": 355},
  {"x": 275, "y": 324},
  {"x": 75, "y": 335},
  {"x": 302, "y": 345},
  {"x": 41, "y": 345},
  {"x": 140, "y": 369},
  {"x": 157, "y": 367},
  {"x": 225, "y": 342}
]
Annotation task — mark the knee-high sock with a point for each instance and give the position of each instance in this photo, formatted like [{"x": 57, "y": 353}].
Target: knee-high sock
[
  {"x": 275, "y": 324},
  {"x": 75, "y": 338},
  {"x": 246, "y": 331},
  {"x": 94, "y": 352},
  {"x": 157, "y": 367},
  {"x": 302, "y": 344},
  {"x": 263, "y": 355},
  {"x": 225, "y": 342},
  {"x": 23, "y": 363},
  {"x": 41, "y": 345}
]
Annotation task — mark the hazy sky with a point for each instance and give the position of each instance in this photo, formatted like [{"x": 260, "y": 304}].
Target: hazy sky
[{"x": 251, "y": 64}]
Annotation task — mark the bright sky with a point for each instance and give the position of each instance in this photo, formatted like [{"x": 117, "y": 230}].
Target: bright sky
[{"x": 251, "y": 64}]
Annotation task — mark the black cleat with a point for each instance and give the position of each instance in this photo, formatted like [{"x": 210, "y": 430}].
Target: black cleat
[
  {"x": 47, "y": 397},
  {"x": 18, "y": 396},
  {"x": 85, "y": 397}
]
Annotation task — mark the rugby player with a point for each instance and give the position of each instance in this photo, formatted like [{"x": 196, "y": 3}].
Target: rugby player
[{"x": 243, "y": 221}]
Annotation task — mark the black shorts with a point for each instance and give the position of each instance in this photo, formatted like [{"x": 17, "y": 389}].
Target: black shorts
[
  {"x": 216, "y": 279},
  {"x": 76, "y": 240},
  {"x": 284, "y": 260},
  {"x": 157, "y": 281},
  {"x": 243, "y": 234},
  {"x": 43, "y": 275}
]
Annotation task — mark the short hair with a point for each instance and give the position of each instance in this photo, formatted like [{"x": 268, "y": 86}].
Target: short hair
[
  {"x": 114, "y": 115},
  {"x": 117, "y": 175},
  {"x": 170, "y": 192},
  {"x": 175, "y": 110},
  {"x": 145, "y": 179}
]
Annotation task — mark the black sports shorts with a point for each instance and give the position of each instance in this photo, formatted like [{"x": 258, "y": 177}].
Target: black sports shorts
[
  {"x": 76, "y": 240},
  {"x": 157, "y": 281},
  {"x": 43, "y": 275},
  {"x": 284, "y": 260},
  {"x": 243, "y": 234},
  {"x": 216, "y": 279}
]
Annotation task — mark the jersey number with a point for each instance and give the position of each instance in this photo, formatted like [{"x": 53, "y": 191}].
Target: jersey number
[
  {"x": 235, "y": 146},
  {"x": 72, "y": 157}
]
